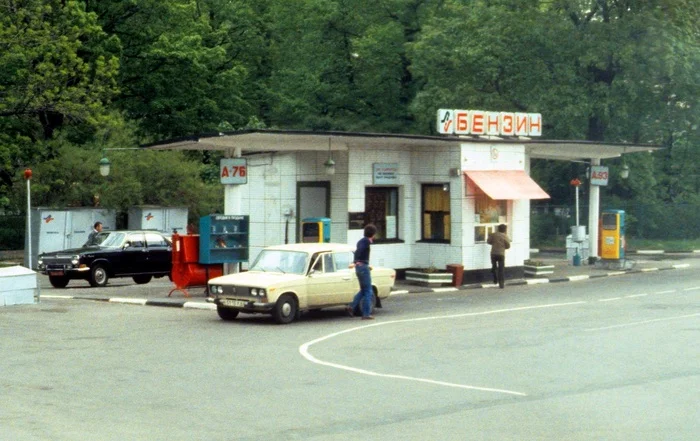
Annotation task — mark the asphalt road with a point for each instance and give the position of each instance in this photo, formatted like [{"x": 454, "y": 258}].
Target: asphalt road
[{"x": 603, "y": 359}]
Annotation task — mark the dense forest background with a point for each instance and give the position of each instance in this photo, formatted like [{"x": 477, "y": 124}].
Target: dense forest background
[{"x": 77, "y": 77}]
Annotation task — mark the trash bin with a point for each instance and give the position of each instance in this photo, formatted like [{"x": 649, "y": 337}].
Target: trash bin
[{"x": 457, "y": 271}]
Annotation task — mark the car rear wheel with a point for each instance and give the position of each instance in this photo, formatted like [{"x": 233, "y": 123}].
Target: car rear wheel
[
  {"x": 98, "y": 276},
  {"x": 58, "y": 281},
  {"x": 226, "y": 313},
  {"x": 142, "y": 279},
  {"x": 285, "y": 310}
]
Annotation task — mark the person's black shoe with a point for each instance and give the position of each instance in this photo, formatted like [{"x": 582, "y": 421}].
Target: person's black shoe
[{"x": 348, "y": 311}]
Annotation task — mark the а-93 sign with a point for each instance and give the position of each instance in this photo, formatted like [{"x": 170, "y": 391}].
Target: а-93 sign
[
  {"x": 233, "y": 171},
  {"x": 599, "y": 175}
]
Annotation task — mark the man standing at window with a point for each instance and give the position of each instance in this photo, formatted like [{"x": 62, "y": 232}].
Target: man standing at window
[
  {"x": 362, "y": 271},
  {"x": 499, "y": 242}
]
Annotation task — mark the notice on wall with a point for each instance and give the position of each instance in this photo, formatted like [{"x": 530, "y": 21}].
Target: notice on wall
[
  {"x": 385, "y": 173},
  {"x": 356, "y": 221},
  {"x": 391, "y": 227}
]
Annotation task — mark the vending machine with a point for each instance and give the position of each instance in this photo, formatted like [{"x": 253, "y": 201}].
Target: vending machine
[
  {"x": 612, "y": 234},
  {"x": 316, "y": 229}
]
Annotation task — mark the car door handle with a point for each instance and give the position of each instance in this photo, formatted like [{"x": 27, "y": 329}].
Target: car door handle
[{"x": 346, "y": 278}]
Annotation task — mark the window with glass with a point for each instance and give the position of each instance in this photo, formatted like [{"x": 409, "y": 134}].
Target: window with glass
[
  {"x": 382, "y": 210},
  {"x": 435, "y": 203},
  {"x": 489, "y": 213}
]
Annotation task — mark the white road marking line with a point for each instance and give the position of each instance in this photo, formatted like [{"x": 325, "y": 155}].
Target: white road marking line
[
  {"x": 578, "y": 278},
  {"x": 643, "y": 322},
  {"x": 648, "y": 270},
  {"x": 610, "y": 299},
  {"x": 127, "y": 300},
  {"x": 304, "y": 348},
  {"x": 665, "y": 292},
  {"x": 616, "y": 273},
  {"x": 681, "y": 266},
  {"x": 53, "y": 296},
  {"x": 692, "y": 289},
  {"x": 635, "y": 295}
]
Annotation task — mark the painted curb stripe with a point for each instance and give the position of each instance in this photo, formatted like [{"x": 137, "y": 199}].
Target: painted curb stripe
[
  {"x": 127, "y": 300},
  {"x": 200, "y": 305}
]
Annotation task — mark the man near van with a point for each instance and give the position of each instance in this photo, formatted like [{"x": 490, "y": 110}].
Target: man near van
[{"x": 92, "y": 238}]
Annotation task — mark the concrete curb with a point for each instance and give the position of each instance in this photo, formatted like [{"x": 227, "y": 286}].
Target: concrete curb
[
  {"x": 188, "y": 304},
  {"x": 537, "y": 281}
]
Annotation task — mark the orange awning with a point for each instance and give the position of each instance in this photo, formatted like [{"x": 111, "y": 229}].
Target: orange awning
[{"x": 507, "y": 184}]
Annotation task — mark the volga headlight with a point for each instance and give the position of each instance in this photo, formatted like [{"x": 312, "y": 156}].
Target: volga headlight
[
  {"x": 253, "y": 291},
  {"x": 216, "y": 289},
  {"x": 75, "y": 260},
  {"x": 40, "y": 261}
]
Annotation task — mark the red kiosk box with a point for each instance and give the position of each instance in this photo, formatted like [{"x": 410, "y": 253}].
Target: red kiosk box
[{"x": 186, "y": 271}]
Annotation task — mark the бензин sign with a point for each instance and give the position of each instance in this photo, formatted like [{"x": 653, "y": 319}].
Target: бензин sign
[{"x": 479, "y": 122}]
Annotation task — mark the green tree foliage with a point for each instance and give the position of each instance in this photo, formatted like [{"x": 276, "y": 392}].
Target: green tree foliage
[
  {"x": 185, "y": 64},
  {"x": 77, "y": 77},
  {"x": 56, "y": 70}
]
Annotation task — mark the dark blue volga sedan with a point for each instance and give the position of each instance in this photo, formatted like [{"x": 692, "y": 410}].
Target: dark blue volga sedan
[{"x": 141, "y": 255}]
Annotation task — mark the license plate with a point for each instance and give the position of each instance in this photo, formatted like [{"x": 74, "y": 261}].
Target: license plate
[
  {"x": 233, "y": 303},
  {"x": 56, "y": 273}
]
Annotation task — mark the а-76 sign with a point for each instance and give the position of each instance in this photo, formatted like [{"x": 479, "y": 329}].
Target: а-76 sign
[{"x": 233, "y": 171}]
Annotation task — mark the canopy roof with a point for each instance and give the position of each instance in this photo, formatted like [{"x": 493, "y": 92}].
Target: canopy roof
[
  {"x": 256, "y": 141},
  {"x": 506, "y": 184}
]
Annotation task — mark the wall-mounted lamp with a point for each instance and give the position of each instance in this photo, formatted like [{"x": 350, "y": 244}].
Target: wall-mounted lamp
[
  {"x": 105, "y": 165},
  {"x": 330, "y": 163},
  {"x": 445, "y": 187},
  {"x": 625, "y": 172}
]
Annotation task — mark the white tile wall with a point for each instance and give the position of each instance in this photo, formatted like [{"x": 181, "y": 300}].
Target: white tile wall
[{"x": 354, "y": 173}]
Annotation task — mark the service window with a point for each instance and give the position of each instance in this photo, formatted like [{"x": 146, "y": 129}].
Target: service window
[
  {"x": 382, "y": 210},
  {"x": 489, "y": 214},
  {"x": 435, "y": 222}
]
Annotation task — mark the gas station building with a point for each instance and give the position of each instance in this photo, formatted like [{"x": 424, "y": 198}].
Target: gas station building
[{"x": 434, "y": 199}]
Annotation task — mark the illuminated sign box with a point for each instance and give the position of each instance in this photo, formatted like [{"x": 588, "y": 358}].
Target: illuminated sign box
[{"x": 479, "y": 122}]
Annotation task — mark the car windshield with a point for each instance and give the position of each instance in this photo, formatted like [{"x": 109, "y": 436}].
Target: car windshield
[
  {"x": 110, "y": 240},
  {"x": 293, "y": 262}
]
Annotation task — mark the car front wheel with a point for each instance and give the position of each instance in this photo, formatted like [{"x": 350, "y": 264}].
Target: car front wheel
[
  {"x": 98, "y": 276},
  {"x": 142, "y": 279},
  {"x": 58, "y": 281},
  {"x": 285, "y": 310},
  {"x": 226, "y": 313}
]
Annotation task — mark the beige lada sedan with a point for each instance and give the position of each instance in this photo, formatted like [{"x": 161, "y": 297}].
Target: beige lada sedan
[{"x": 285, "y": 280}]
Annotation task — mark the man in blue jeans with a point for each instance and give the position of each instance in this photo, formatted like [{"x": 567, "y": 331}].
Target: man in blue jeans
[{"x": 362, "y": 270}]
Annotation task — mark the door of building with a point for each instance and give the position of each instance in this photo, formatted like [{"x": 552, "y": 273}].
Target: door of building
[{"x": 313, "y": 200}]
